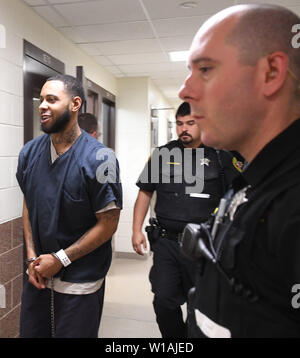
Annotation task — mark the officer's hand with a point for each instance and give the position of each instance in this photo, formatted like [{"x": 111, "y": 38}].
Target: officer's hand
[
  {"x": 139, "y": 242},
  {"x": 47, "y": 265}
]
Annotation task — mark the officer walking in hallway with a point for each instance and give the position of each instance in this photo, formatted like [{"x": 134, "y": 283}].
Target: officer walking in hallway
[
  {"x": 243, "y": 89},
  {"x": 172, "y": 274}
]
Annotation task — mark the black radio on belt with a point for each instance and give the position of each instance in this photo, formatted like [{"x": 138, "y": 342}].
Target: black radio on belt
[{"x": 196, "y": 243}]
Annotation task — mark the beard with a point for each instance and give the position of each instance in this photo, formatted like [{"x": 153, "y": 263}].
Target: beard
[
  {"x": 187, "y": 140},
  {"x": 59, "y": 125}
]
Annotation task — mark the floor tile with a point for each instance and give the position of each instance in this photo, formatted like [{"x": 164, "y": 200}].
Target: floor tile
[{"x": 128, "y": 311}]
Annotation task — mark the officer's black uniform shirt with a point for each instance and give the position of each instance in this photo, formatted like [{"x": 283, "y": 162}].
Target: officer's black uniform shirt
[
  {"x": 259, "y": 249},
  {"x": 174, "y": 208}
]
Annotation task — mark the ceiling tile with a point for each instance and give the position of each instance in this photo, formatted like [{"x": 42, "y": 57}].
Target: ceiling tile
[
  {"x": 65, "y": 1},
  {"x": 35, "y": 2},
  {"x": 156, "y": 57},
  {"x": 177, "y": 43},
  {"x": 179, "y": 26},
  {"x": 101, "y": 12},
  {"x": 145, "y": 67},
  {"x": 114, "y": 70},
  {"x": 118, "y": 36},
  {"x": 90, "y": 49},
  {"x": 171, "y": 8},
  {"x": 72, "y": 34},
  {"x": 102, "y": 60},
  {"x": 50, "y": 15},
  {"x": 138, "y": 74},
  {"x": 114, "y": 32},
  {"x": 128, "y": 47}
]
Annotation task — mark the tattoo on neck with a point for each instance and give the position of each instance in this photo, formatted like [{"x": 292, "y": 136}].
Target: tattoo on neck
[{"x": 67, "y": 138}]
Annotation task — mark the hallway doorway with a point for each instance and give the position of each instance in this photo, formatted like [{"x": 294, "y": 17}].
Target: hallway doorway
[
  {"x": 101, "y": 103},
  {"x": 38, "y": 66}
]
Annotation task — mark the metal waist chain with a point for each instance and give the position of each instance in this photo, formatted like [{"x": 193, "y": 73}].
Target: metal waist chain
[{"x": 52, "y": 309}]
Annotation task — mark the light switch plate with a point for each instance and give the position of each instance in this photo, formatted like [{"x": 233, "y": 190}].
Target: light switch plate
[{"x": 2, "y": 297}]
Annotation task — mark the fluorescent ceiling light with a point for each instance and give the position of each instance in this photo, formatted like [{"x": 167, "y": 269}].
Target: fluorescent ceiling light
[
  {"x": 188, "y": 4},
  {"x": 176, "y": 56}
]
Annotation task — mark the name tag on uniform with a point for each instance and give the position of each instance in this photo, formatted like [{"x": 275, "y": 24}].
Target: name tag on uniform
[
  {"x": 201, "y": 195},
  {"x": 210, "y": 328}
]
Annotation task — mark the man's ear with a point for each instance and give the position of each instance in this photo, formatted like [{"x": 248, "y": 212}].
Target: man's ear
[
  {"x": 275, "y": 69},
  {"x": 94, "y": 134},
  {"x": 76, "y": 104}
]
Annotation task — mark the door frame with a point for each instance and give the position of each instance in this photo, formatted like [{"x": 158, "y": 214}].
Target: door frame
[
  {"x": 103, "y": 96},
  {"x": 46, "y": 59}
]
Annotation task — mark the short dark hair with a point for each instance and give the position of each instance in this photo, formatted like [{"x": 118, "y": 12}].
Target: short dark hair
[
  {"x": 72, "y": 85},
  {"x": 183, "y": 110},
  {"x": 88, "y": 122}
]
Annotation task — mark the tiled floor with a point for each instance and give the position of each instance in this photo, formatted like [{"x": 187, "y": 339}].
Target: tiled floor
[{"x": 128, "y": 311}]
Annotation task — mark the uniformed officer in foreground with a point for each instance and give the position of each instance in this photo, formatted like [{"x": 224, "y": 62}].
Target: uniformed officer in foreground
[
  {"x": 243, "y": 89},
  {"x": 178, "y": 202}
]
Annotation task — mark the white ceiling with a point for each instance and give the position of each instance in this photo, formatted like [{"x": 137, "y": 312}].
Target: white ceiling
[{"x": 133, "y": 37}]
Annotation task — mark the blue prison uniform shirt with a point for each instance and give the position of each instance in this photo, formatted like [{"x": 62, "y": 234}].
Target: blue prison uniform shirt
[{"x": 63, "y": 197}]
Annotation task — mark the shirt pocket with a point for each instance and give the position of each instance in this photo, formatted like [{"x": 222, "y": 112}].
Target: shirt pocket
[
  {"x": 76, "y": 213},
  {"x": 213, "y": 186}
]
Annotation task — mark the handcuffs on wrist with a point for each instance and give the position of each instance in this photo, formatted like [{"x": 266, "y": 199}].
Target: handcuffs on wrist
[{"x": 31, "y": 259}]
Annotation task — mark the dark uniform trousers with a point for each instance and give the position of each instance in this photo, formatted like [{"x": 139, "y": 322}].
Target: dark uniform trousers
[
  {"x": 36, "y": 313},
  {"x": 171, "y": 277}
]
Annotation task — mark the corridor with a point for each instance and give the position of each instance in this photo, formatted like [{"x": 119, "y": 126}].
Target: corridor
[{"x": 128, "y": 311}]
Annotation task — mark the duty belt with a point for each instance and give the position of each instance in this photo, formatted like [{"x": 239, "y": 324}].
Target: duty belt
[
  {"x": 171, "y": 235},
  {"x": 155, "y": 226}
]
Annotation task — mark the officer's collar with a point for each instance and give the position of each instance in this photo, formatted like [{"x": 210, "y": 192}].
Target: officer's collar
[{"x": 276, "y": 152}]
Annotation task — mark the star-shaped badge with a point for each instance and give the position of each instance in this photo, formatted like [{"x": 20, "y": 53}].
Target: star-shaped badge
[
  {"x": 204, "y": 161},
  {"x": 238, "y": 199}
]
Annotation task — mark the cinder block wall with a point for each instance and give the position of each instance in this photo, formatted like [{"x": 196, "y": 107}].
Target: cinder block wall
[{"x": 11, "y": 269}]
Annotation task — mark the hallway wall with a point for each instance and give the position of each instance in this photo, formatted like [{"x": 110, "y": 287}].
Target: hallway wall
[{"x": 136, "y": 97}]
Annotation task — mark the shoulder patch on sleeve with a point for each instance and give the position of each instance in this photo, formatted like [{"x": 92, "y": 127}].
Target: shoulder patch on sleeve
[{"x": 237, "y": 164}]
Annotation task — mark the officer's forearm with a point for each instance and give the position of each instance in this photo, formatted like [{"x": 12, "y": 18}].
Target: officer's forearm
[
  {"x": 28, "y": 232},
  {"x": 140, "y": 209},
  {"x": 100, "y": 233}
]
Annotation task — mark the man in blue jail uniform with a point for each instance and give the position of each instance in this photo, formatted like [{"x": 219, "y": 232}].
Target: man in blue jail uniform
[
  {"x": 179, "y": 201},
  {"x": 72, "y": 202},
  {"x": 243, "y": 89}
]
